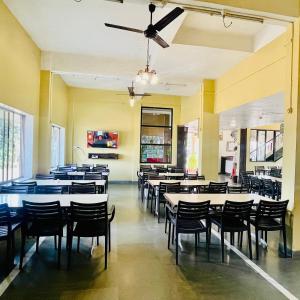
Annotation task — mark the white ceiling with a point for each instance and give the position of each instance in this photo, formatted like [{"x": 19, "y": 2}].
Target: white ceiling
[
  {"x": 258, "y": 113},
  {"x": 76, "y": 43}
]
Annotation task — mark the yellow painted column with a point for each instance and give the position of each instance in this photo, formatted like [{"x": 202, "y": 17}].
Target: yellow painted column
[
  {"x": 44, "y": 161},
  {"x": 208, "y": 132},
  {"x": 291, "y": 153}
]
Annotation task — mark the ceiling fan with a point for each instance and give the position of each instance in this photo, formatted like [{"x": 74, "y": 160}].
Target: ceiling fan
[
  {"x": 151, "y": 31},
  {"x": 132, "y": 94}
]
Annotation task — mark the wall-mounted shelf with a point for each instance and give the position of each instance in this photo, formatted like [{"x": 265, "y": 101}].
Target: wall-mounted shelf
[{"x": 103, "y": 156}]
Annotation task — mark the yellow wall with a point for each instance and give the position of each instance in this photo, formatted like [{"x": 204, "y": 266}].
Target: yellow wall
[
  {"x": 54, "y": 103},
  {"x": 20, "y": 71},
  {"x": 190, "y": 108},
  {"x": 96, "y": 109},
  {"x": 281, "y": 7},
  {"x": 260, "y": 75}
]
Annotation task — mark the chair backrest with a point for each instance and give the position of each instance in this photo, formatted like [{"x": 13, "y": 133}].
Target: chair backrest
[
  {"x": 272, "y": 209},
  {"x": 27, "y": 183},
  {"x": 268, "y": 184},
  {"x": 44, "y": 176},
  {"x": 42, "y": 212},
  {"x": 239, "y": 210},
  {"x": 93, "y": 177},
  {"x": 87, "y": 166},
  {"x": 259, "y": 168},
  {"x": 14, "y": 189},
  {"x": 163, "y": 186},
  {"x": 40, "y": 189},
  {"x": 82, "y": 189},
  {"x": 191, "y": 176},
  {"x": 102, "y": 166},
  {"x": 201, "y": 177},
  {"x": 96, "y": 212},
  {"x": 5, "y": 216},
  {"x": 237, "y": 189},
  {"x": 83, "y": 169},
  {"x": 155, "y": 177},
  {"x": 65, "y": 169},
  {"x": 173, "y": 189},
  {"x": 217, "y": 187},
  {"x": 255, "y": 182},
  {"x": 178, "y": 170},
  {"x": 192, "y": 210},
  {"x": 74, "y": 183}
]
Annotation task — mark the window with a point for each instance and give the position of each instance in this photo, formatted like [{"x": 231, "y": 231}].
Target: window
[
  {"x": 11, "y": 144},
  {"x": 156, "y": 135},
  {"x": 57, "y": 146},
  {"x": 265, "y": 145}
]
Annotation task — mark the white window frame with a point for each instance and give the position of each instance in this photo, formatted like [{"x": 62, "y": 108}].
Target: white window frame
[{"x": 61, "y": 146}]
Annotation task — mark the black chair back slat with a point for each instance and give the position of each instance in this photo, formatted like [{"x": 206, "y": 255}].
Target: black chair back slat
[
  {"x": 93, "y": 176},
  {"x": 237, "y": 190},
  {"x": 240, "y": 210},
  {"x": 14, "y": 189},
  {"x": 217, "y": 187},
  {"x": 44, "y": 176},
  {"x": 192, "y": 211},
  {"x": 272, "y": 209},
  {"x": 82, "y": 189},
  {"x": 163, "y": 186},
  {"x": 48, "y": 189},
  {"x": 88, "y": 212}
]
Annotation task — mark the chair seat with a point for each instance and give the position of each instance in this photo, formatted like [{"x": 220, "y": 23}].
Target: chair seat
[
  {"x": 188, "y": 225},
  {"x": 89, "y": 229},
  {"x": 266, "y": 223},
  {"x": 229, "y": 224},
  {"x": 4, "y": 229}
]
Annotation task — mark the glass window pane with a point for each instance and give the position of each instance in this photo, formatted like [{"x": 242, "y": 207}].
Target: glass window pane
[
  {"x": 253, "y": 145},
  {"x": 156, "y": 135},
  {"x": 270, "y": 144},
  {"x": 55, "y": 146},
  {"x": 17, "y": 140},
  {"x": 1, "y": 145},
  {"x": 155, "y": 154},
  {"x": 261, "y": 145},
  {"x": 156, "y": 117}
]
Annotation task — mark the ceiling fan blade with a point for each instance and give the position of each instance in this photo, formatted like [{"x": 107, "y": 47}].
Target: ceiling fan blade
[
  {"x": 123, "y": 28},
  {"x": 170, "y": 17},
  {"x": 122, "y": 94},
  {"x": 160, "y": 41}
]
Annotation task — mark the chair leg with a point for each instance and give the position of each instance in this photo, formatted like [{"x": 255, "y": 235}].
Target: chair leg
[
  {"x": 109, "y": 238},
  {"x": 55, "y": 242},
  {"x": 158, "y": 212},
  {"x": 173, "y": 234},
  {"x": 70, "y": 249},
  {"x": 78, "y": 244},
  {"x": 207, "y": 242},
  {"x": 176, "y": 241},
  {"x": 97, "y": 240},
  {"x": 284, "y": 241},
  {"x": 59, "y": 250},
  {"x": 196, "y": 243},
  {"x": 37, "y": 244},
  {"x": 257, "y": 243},
  {"x": 169, "y": 235},
  {"x": 8, "y": 253},
  {"x": 241, "y": 239},
  {"x": 266, "y": 237},
  {"x": 106, "y": 242},
  {"x": 250, "y": 242},
  {"x": 222, "y": 245},
  {"x": 23, "y": 237},
  {"x": 13, "y": 245}
]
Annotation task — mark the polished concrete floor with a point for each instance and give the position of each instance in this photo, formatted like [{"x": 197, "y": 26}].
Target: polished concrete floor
[{"x": 141, "y": 267}]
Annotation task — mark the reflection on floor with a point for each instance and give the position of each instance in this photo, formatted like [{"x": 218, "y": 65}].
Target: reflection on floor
[{"x": 141, "y": 266}]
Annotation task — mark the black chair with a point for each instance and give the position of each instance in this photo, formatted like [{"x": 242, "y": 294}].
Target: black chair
[
  {"x": 39, "y": 220},
  {"x": 200, "y": 177},
  {"x": 163, "y": 187},
  {"x": 83, "y": 169},
  {"x": 61, "y": 175},
  {"x": 234, "y": 217},
  {"x": 259, "y": 170},
  {"x": 14, "y": 189},
  {"x": 44, "y": 176},
  {"x": 191, "y": 176},
  {"x": 30, "y": 184},
  {"x": 7, "y": 233},
  {"x": 83, "y": 188},
  {"x": 237, "y": 189},
  {"x": 270, "y": 216},
  {"x": 99, "y": 188},
  {"x": 191, "y": 218},
  {"x": 256, "y": 185},
  {"x": 268, "y": 188},
  {"x": 64, "y": 169},
  {"x": 246, "y": 180},
  {"x": 278, "y": 187},
  {"x": 87, "y": 220},
  {"x": 217, "y": 187},
  {"x": 48, "y": 189},
  {"x": 171, "y": 189}
]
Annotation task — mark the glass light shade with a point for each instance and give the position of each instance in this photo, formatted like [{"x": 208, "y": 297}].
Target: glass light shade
[
  {"x": 131, "y": 102},
  {"x": 154, "y": 79}
]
